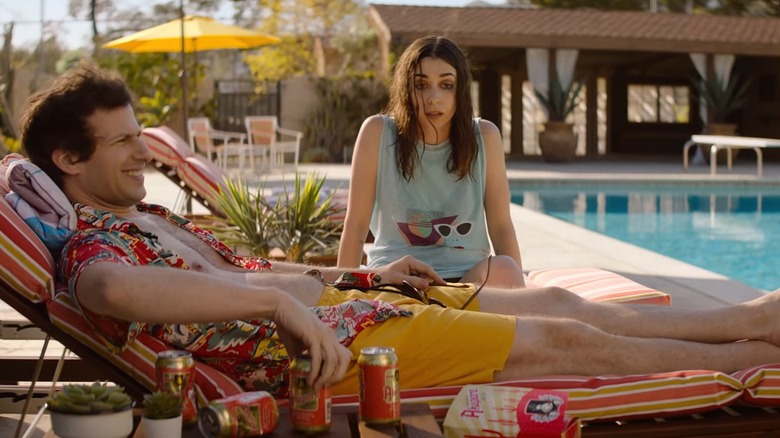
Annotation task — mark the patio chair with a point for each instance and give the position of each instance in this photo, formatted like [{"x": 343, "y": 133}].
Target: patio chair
[
  {"x": 197, "y": 176},
  {"x": 27, "y": 284},
  {"x": 264, "y": 131},
  {"x": 218, "y": 145}
]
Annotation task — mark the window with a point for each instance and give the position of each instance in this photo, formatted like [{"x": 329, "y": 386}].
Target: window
[{"x": 658, "y": 104}]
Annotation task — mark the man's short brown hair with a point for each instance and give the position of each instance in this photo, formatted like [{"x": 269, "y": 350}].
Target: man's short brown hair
[{"x": 56, "y": 118}]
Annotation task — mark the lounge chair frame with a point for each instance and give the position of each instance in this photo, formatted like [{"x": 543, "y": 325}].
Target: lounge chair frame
[{"x": 103, "y": 369}]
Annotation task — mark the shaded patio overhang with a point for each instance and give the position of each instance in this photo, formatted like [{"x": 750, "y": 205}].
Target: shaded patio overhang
[{"x": 513, "y": 27}]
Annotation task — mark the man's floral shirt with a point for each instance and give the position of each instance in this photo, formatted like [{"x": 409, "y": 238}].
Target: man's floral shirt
[{"x": 248, "y": 351}]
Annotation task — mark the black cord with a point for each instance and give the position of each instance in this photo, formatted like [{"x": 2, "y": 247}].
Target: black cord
[{"x": 476, "y": 292}]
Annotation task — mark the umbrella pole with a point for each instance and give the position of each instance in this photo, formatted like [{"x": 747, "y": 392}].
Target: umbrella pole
[
  {"x": 183, "y": 74},
  {"x": 183, "y": 77}
]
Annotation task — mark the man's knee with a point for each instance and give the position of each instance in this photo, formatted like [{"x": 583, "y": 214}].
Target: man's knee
[
  {"x": 560, "y": 296},
  {"x": 548, "y": 345}
]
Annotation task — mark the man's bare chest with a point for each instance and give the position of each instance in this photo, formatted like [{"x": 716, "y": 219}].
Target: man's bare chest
[{"x": 196, "y": 253}]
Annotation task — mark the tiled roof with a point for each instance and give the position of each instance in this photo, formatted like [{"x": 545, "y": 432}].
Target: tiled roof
[{"x": 581, "y": 28}]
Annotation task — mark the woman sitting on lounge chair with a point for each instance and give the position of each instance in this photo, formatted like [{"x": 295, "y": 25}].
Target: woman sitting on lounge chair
[{"x": 430, "y": 179}]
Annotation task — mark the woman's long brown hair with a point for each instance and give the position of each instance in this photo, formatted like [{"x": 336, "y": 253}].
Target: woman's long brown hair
[{"x": 402, "y": 107}]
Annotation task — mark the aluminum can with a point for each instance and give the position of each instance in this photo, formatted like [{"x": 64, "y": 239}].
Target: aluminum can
[
  {"x": 380, "y": 393},
  {"x": 241, "y": 415},
  {"x": 176, "y": 374},
  {"x": 309, "y": 408}
]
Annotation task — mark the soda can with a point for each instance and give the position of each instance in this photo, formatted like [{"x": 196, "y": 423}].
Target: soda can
[
  {"x": 309, "y": 408},
  {"x": 176, "y": 374},
  {"x": 241, "y": 415},
  {"x": 380, "y": 392}
]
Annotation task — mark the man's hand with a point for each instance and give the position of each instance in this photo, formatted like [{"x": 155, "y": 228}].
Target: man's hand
[
  {"x": 409, "y": 269},
  {"x": 300, "y": 330}
]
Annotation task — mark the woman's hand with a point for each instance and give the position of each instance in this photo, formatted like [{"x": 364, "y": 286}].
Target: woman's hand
[
  {"x": 300, "y": 330},
  {"x": 409, "y": 269}
]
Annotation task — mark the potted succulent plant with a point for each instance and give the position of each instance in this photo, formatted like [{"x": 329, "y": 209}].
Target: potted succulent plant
[
  {"x": 558, "y": 141},
  {"x": 94, "y": 410},
  {"x": 162, "y": 415},
  {"x": 722, "y": 101}
]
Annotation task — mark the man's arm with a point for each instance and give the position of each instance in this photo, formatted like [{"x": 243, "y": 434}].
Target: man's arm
[{"x": 161, "y": 295}]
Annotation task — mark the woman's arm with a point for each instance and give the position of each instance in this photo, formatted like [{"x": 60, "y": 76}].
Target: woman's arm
[
  {"x": 497, "y": 198},
  {"x": 362, "y": 189},
  {"x": 407, "y": 268}
]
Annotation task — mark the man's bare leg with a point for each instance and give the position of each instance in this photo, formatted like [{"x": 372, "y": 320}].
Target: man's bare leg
[
  {"x": 546, "y": 346},
  {"x": 756, "y": 319}
]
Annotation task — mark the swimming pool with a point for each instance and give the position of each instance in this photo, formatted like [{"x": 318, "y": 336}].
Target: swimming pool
[{"x": 731, "y": 230}]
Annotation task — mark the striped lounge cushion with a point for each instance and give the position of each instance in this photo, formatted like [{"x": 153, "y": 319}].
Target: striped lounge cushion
[
  {"x": 202, "y": 176},
  {"x": 166, "y": 145},
  {"x": 608, "y": 397},
  {"x": 762, "y": 385},
  {"x": 599, "y": 285},
  {"x": 138, "y": 359},
  {"x": 25, "y": 263}
]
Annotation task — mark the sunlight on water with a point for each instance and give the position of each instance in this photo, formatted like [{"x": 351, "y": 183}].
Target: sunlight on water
[{"x": 732, "y": 231}]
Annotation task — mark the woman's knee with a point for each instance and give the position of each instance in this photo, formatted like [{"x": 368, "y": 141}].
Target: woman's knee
[{"x": 503, "y": 271}]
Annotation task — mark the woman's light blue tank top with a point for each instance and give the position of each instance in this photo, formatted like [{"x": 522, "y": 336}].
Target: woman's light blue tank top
[{"x": 434, "y": 217}]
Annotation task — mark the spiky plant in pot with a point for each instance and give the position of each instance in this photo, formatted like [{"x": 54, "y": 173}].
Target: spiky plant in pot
[{"x": 161, "y": 405}]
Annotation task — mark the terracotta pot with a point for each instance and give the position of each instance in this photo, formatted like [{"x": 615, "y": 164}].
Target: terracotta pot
[
  {"x": 558, "y": 142},
  {"x": 719, "y": 129}
]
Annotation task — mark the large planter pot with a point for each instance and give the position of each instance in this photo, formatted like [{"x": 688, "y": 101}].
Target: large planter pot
[
  {"x": 558, "y": 142},
  {"x": 719, "y": 129},
  {"x": 105, "y": 425},
  {"x": 162, "y": 428}
]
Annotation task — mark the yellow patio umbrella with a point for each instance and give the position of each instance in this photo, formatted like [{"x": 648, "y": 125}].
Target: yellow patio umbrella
[
  {"x": 200, "y": 33},
  {"x": 190, "y": 34}
]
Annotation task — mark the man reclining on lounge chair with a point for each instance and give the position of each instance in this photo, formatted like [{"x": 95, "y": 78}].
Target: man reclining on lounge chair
[{"x": 134, "y": 267}]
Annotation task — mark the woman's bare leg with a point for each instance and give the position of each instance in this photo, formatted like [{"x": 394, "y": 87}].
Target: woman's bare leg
[{"x": 503, "y": 273}]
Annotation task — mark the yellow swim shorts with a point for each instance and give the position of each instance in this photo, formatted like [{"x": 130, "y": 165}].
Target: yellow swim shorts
[{"x": 435, "y": 346}]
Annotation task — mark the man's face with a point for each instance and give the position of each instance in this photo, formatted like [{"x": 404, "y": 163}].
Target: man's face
[{"x": 113, "y": 177}]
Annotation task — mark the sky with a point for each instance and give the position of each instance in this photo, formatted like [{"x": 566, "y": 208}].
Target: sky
[{"x": 26, "y": 15}]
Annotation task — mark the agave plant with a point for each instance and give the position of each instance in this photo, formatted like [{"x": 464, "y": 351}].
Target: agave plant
[
  {"x": 249, "y": 215},
  {"x": 297, "y": 222},
  {"x": 559, "y": 102},
  {"x": 723, "y": 101},
  {"x": 303, "y": 221},
  {"x": 90, "y": 399}
]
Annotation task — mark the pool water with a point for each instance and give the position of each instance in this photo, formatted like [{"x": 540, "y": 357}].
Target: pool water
[{"x": 734, "y": 231}]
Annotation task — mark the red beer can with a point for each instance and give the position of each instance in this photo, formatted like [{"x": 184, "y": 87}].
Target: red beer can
[
  {"x": 309, "y": 408},
  {"x": 241, "y": 415},
  {"x": 175, "y": 374},
  {"x": 380, "y": 392}
]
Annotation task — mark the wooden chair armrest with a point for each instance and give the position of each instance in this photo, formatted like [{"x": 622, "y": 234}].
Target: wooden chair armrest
[
  {"x": 227, "y": 135},
  {"x": 290, "y": 132}
]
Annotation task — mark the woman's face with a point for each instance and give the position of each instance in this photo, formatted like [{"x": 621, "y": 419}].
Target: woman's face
[{"x": 435, "y": 90}]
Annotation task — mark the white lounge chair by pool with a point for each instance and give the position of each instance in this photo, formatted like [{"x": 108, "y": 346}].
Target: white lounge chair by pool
[{"x": 729, "y": 142}]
